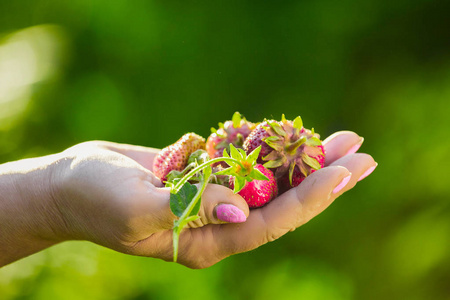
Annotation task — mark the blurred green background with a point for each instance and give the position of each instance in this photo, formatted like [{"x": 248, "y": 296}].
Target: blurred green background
[{"x": 146, "y": 72}]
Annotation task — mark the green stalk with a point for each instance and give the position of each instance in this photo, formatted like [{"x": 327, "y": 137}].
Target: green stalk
[
  {"x": 183, "y": 220},
  {"x": 201, "y": 167}
]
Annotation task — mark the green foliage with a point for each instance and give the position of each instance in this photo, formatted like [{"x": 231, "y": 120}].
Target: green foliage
[{"x": 133, "y": 72}]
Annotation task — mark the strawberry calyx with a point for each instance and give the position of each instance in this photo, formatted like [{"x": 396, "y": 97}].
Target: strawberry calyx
[
  {"x": 233, "y": 132},
  {"x": 291, "y": 145},
  {"x": 245, "y": 171}
]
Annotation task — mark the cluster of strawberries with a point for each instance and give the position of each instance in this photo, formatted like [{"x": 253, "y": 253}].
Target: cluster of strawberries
[{"x": 289, "y": 153}]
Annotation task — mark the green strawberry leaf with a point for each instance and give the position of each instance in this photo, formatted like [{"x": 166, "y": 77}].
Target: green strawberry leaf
[
  {"x": 180, "y": 201},
  {"x": 312, "y": 162},
  {"x": 253, "y": 156},
  {"x": 274, "y": 142},
  {"x": 239, "y": 183},
  {"x": 244, "y": 155},
  {"x": 235, "y": 153},
  {"x": 273, "y": 164},
  {"x": 225, "y": 153},
  {"x": 277, "y": 128},
  {"x": 313, "y": 141},
  {"x": 257, "y": 175},
  {"x": 291, "y": 171},
  {"x": 298, "y": 123},
  {"x": 198, "y": 157},
  {"x": 236, "y": 119}
]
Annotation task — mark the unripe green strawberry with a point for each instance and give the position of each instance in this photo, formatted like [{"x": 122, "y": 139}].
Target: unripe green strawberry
[{"x": 175, "y": 156}]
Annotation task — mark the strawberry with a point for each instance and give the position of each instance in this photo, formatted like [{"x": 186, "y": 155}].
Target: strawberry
[
  {"x": 258, "y": 192},
  {"x": 175, "y": 156},
  {"x": 288, "y": 149},
  {"x": 231, "y": 132}
]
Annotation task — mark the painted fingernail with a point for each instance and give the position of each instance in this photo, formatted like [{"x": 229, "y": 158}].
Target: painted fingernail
[
  {"x": 355, "y": 147},
  {"x": 342, "y": 184},
  {"x": 367, "y": 172},
  {"x": 230, "y": 213}
]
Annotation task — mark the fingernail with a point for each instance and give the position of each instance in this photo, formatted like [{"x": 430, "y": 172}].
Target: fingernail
[
  {"x": 230, "y": 213},
  {"x": 355, "y": 147},
  {"x": 367, "y": 172},
  {"x": 342, "y": 184}
]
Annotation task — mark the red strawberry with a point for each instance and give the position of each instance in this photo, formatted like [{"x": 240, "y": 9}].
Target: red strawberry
[
  {"x": 231, "y": 132},
  {"x": 175, "y": 156},
  {"x": 288, "y": 149},
  {"x": 258, "y": 192}
]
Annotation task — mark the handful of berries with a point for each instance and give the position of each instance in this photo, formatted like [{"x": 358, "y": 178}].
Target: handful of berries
[{"x": 257, "y": 160}]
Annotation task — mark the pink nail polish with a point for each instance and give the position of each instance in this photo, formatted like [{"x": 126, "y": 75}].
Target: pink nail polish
[
  {"x": 367, "y": 172},
  {"x": 230, "y": 213},
  {"x": 355, "y": 147},
  {"x": 341, "y": 185}
]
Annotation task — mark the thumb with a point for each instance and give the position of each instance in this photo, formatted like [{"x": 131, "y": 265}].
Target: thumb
[{"x": 220, "y": 205}]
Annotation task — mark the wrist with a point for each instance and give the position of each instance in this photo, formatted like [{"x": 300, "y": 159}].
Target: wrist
[{"x": 29, "y": 219}]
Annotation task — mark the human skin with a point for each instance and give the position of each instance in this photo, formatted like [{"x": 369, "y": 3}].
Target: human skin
[{"x": 106, "y": 193}]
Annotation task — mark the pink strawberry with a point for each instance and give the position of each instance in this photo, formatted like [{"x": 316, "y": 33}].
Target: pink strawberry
[
  {"x": 231, "y": 132},
  {"x": 175, "y": 156},
  {"x": 258, "y": 192},
  {"x": 256, "y": 138},
  {"x": 288, "y": 149}
]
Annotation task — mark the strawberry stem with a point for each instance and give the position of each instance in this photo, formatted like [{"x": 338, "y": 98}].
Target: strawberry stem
[
  {"x": 201, "y": 167},
  {"x": 186, "y": 216}
]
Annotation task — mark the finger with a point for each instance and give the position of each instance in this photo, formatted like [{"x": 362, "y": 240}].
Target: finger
[
  {"x": 142, "y": 155},
  {"x": 285, "y": 213},
  {"x": 220, "y": 205},
  {"x": 360, "y": 165},
  {"x": 340, "y": 144}
]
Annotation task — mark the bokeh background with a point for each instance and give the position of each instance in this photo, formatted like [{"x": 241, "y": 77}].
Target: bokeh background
[{"x": 146, "y": 72}]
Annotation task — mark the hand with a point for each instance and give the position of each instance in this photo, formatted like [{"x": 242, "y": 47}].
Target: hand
[
  {"x": 106, "y": 193},
  {"x": 109, "y": 196}
]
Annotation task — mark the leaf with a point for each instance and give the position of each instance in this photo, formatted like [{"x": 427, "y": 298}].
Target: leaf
[
  {"x": 180, "y": 201},
  {"x": 292, "y": 148},
  {"x": 313, "y": 141},
  {"x": 253, "y": 156},
  {"x": 303, "y": 169},
  {"x": 174, "y": 174},
  {"x": 277, "y": 128},
  {"x": 274, "y": 155},
  {"x": 273, "y": 164},
  {"x": 213, "y": 130},
  {"x": 298, "y": 123},
  {"x": 274, "y": 142},
  {"x": 236, "y": 119},
  {"x": 225, "y": 153},
  {"x": 244, "y": 155},
  {"x": 283, "y": 118},
  {"x": 272, "y": 138},
  {"x": 291, "y": 172},
  {"x": 257, "y": 175},
  {"x": 239, "y": 183},
  {"x": 312, "y": 162},
  {"x": 235, "y": 153}
]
